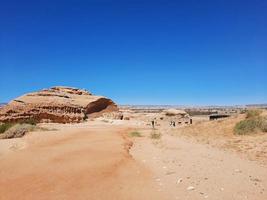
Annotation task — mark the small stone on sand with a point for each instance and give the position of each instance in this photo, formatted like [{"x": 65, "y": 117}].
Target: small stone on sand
[
  {"x": 180, "y": 180},
  {"x": 190, "y": 188}
]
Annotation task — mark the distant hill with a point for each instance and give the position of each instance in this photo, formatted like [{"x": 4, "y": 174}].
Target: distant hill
[
  {"x": 2, "y": 104},
  {"x": 263, "y": 105}
]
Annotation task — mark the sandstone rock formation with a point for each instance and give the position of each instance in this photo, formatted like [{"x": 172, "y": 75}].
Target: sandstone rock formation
[
  {"x": 113, "y": 115},
  {"x": 175, "y": 112},
  {"x": 57, "y": 104}
]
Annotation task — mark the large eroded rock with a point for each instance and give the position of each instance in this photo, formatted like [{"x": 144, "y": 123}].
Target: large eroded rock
[{"x": 57, "y": 104}]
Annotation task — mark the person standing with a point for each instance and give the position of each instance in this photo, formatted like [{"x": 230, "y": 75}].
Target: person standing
[{"x": 153, "y": 124}]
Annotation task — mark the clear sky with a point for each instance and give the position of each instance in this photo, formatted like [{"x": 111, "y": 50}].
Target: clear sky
[{"x": 191, "y": 52}]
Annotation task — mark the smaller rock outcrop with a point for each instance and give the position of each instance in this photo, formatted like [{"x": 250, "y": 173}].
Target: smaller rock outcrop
[
  {"x": 175, "y": 112},
  {"x": 57, "y": 104}
]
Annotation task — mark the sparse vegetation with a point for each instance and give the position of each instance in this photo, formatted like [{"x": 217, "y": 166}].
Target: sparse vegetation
[
  {"x": 13, "y": 130},
  {"x": 253, "y": 113},
  {"x": 4, "y": 127},
  {"x": 155, "y": 135},
  {"x": 135, "y": 134},
  {"x": 246, "y": 126},
  {"x": 17, "y": 130},
  {"x": 253, "y": 123}
]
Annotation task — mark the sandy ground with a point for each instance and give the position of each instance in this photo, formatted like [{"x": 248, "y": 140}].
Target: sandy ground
[
  {"x": 184, "y": 169},
  {"x": 77, "y": 162},
  {"x": 219, "y": 134},
  {"x": 96, "y": 160}
]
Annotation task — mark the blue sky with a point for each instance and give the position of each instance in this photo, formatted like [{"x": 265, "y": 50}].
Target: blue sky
[{"x": 187, "y": 52}]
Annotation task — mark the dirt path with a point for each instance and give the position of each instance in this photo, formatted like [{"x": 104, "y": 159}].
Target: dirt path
[
  {"x": 91, "y": 162},
  {"x": 184, "y": 169}
]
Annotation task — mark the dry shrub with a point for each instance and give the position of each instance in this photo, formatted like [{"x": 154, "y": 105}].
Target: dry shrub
[
  {"x": 253, "y": 123},
  {"x": 253, "y": 113},
  {"x": 17, "y": 130},
  {"x": 4, "y": 127},
  {"x": 155, "y": 135},
  {"x": 135, "y": 134}
]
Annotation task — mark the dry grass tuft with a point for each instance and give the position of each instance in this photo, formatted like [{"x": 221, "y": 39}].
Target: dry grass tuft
[
  {"x": 253, "y": 123},
  {"x": 253, "y": 113},
  {"x": 4, "y": 127},
  {"x": 155, "y": 135},
  {"x": 17, "y": 130},
  {"x": 135, "y": 134}
]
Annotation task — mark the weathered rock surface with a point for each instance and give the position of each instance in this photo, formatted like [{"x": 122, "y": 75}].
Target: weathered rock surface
[{"x": 57, "y": 104}]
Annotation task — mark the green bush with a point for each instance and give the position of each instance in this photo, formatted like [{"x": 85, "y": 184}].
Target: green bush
[
  {"x": 135, "y": 134},
  {"x": 251, "y": 125},
  {"x": 4, "y": 127}
]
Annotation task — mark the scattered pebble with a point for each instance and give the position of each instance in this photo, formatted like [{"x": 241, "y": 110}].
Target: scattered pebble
[
  {"x": 255, "y": 179},
  {"x": 222, "y": 189},
  {"x": 190, "y": 188},
  {"x": 180, "y": 180},
  {"x": 170, "y": 173},
  {"x": 206, "y": 196}
]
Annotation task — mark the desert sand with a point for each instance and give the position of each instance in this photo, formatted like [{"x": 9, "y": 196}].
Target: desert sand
[
  {"x": 98, "y": 160},
  {"x": 77, "y": 162}
]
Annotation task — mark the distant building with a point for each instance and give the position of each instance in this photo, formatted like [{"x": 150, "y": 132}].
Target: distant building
[{"x": 218, "y": 116}]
